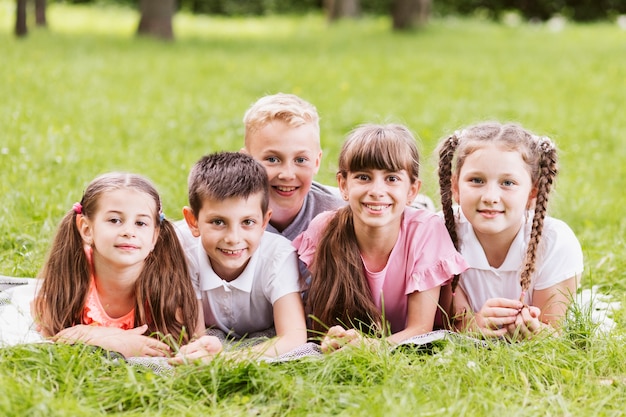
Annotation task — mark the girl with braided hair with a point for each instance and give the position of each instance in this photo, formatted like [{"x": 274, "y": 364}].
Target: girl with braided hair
[
  {"x": 377, "y": 264},
  {"x": 524, "y": 265}
]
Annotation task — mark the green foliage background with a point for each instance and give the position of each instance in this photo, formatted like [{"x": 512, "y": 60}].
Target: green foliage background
[{"x": 85, "y": 97}]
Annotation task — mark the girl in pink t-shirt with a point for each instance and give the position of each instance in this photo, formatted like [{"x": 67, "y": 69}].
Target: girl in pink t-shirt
[
  {"x": 116, "y": 272},
  {"x": 377, "y": 265}
]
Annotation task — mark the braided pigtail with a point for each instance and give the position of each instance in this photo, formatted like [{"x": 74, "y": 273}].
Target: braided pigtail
[
  {"x": 446, "y": 155},
  {"x": 548, "y": 169}
]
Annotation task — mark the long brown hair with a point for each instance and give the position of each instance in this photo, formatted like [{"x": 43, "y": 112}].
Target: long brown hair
[
  {"x": 165, "y": 298},
  {"x": 540, "y": 155},
  {"x": 339, "y": 292}
]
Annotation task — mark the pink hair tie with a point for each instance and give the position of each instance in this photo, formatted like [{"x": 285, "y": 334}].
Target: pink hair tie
[{"x": 78, "y": 208}]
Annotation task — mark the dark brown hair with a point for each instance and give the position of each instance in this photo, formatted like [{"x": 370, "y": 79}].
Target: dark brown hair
[
  {"x": 339, "y": 292},
  {"x": 226, "y": 175}
]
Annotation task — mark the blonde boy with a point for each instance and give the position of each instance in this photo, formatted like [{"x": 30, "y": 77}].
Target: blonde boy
[
  {"x": 246, "y": 279},
  {"x": 282, "y": 132}
]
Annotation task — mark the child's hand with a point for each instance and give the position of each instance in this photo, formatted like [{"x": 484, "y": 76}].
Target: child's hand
[
  {"x": 526, "y": 324},
  {"x": 496, "y": 315},
  {"x": 337, "y": 337},
  {"x": 203, "y": 349},
  {"x": 127, "y": 342}
]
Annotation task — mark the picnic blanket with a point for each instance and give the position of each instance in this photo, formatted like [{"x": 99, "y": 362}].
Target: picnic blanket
[{"x": 17, "y": 327}]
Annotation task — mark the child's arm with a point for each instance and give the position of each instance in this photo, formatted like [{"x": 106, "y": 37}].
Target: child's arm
[
  {"x": 290, "y": 325},
  {"x": 421, "y": 310},
  {"x": 127, "y": 342}
]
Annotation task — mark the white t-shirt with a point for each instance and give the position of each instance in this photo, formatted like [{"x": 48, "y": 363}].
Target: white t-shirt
[
  {"x": 245, "y": 304},
  {"x": 559, "y": 257}
]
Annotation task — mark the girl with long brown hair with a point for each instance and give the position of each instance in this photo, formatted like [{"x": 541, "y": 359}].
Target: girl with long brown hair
[
  {"x": 377, "y": 264},
  {"x": 116, "y": 273}
]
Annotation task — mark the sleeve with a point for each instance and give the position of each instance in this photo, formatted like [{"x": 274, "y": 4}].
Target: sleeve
[
  {"x": 190, "y": 248},
  {"x": 285, "y": 275},
  {"x": 432, "y": 256},
  {"x": 306, "y": 242},
  {"x": 561, "y": 256}
]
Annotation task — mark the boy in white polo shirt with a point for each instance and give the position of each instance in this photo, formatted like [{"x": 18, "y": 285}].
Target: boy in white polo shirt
[{"x": 246, "y": 279}]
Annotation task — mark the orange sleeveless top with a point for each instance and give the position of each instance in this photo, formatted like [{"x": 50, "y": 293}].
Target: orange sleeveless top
[{"x": 94, "y": 314}]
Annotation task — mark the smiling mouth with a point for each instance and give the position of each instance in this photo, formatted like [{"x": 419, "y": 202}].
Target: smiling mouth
[
  {"x": 490, "y": 213},
  {"x": 231, "y": 251},
  {"x": 377, "y": 207},
  {"x": 284, "y": 189},
  {"x": 126, "y": 247}
]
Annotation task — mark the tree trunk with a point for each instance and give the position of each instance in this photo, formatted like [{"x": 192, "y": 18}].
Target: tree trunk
[
  {"x": 40, "y": 13},
  {"x": 156, "y": 18},
  {"x": 407, "y": 14},
  {"x": 337, "y": 9},
  {"x": 21, "y": 28}
]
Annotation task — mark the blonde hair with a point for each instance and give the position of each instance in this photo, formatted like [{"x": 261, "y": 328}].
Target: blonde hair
[
  {"x": 339, "y": 292},
  {"x": 287, "y": 108},
  {"x": 540, "y": 156},
  {"x": 165, "y": 298}
]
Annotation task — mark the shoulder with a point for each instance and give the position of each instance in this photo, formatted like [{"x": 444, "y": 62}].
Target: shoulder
[
  {"x": 557, "y": 235},
  {"x": 187, "y": 240},
  {"x": 325, "y": 197},
  {"x": 414, "y": 217},
  {"x": 274, "y": 246}
]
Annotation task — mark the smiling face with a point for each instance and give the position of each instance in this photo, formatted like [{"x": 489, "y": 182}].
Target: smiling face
[
  {"x": 494, "y": 189},
  {"x": 291, "y": 155},
  {"x": 122, "y": 231},
  {"x": 230, "y": 231},
  {"x": 378, "y": 197}
]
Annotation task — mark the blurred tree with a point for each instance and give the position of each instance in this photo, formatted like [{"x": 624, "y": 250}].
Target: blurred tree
[
  {"x": 156, "y": 18},
  {"x": 40, "y": 13},
  {"x": 407, "y": 14},
  {"x": 337, "y": 9},
  {"x": 21, "y": 29},
  {"x": 21, "y": 25}
]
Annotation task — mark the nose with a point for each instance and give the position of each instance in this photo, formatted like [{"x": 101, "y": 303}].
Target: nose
[
  {"x": 287, "y": 171},
  {"x": 377, "y": 187},
  {"x": 232, "y": 236},
  {"x": 491, "y": 194},
  {"x": 129, "y": 230}
]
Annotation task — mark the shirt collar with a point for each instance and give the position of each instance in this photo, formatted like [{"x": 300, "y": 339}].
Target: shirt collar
[{"x": 209, "y": 280}]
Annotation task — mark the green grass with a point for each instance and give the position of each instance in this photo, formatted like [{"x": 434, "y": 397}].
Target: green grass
[{"x": 86, "y": 97}]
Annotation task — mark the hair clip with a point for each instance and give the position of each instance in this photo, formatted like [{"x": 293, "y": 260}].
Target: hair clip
[
  {"x": 161, "y": 216},
  {"x": 78, "y": 208},
  {"x": 544, "y": 143}
]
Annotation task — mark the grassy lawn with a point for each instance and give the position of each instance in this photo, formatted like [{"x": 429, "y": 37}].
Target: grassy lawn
[{"x": 86, "y": 97}]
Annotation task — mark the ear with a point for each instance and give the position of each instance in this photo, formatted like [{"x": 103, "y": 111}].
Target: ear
[
  {"x": 84, "y": 228},
  {"x": 267, "y": 217},
  {"x": 342, "y": 183},
  {"x": 455, "y": 188},
  {"x": 318, "y": 161},
  {"x": 244, "y": 151},
  {"x": 413, "y": 191},
  {"x": 532, "y": 198},
  {"x": 155, "y": 237},
  {"x": 191, "y": 220}
]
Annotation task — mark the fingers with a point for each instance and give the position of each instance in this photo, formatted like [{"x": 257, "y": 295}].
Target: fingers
[
  {"x": 203, "y": 349},
  {"x": 526, "y": 325},
  {"x": 337, "y": 337}
]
